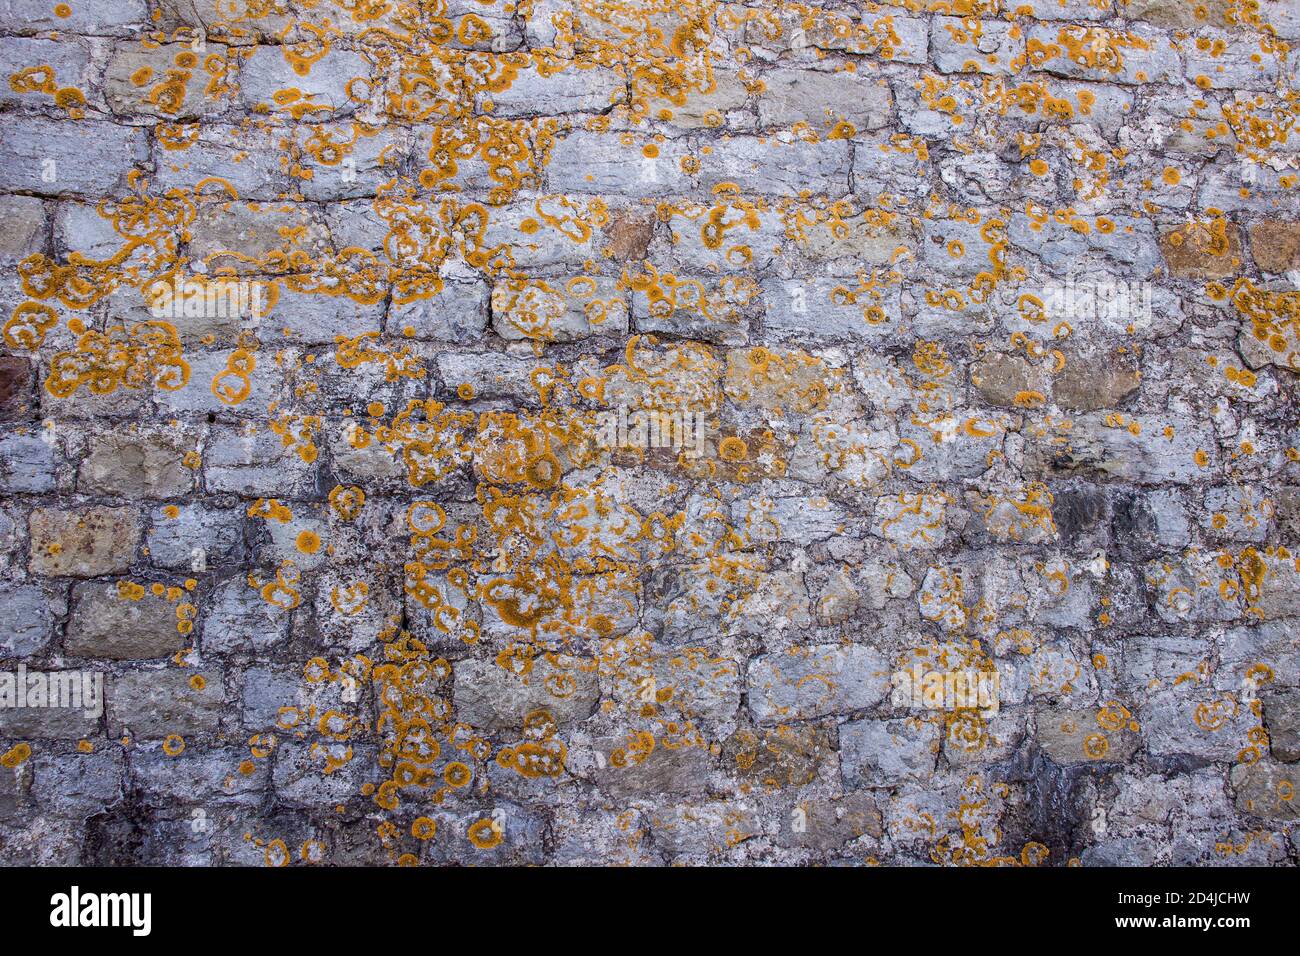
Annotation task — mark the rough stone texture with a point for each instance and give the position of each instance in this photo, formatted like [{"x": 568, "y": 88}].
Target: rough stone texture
[
  {"x": 104, "y": 624},
  {"x": 1194, "y": 255},
  {"x": 971, "y": 340},
  {"x": 158, "y": 703},
  {"x": 826, "y": 826},
  {"x": 30, "y": 612},
  {"x": 1275, "y": 245},
  {"x": 1090, "y": 382},
  {"x": 1282, "y": 718},
  {"x": 47, "y": 157},
  {"x": 15, "y": 387},
  {"x": 83, "y": 542},
  {"x": 807, "y": 96},
  {"x": 789, "y": 755},
  {"x": 1081, "y": 736},
  {"x": 1000, "y": 379},
  {"x": 1263, "y": 790},
  {"x": 487, "y": 696},
  {"x": 136, "y": 466},
  {"x": 27, "y": 464},
  {"x": 887, "y": 752},
  {"x": 816, "y": 681}
]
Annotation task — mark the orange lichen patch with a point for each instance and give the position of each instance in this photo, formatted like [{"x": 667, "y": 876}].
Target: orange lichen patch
[
  {"x": 233, "y": 384},
  {"x": 16, "y": 756},
  {"x": 270, "y": 510},
  {"x": 776, "y": 380},
  {"x": 733, "y": 449},
  {"x": 276, "y": 854},
  {"x": 1093, "y": 47},
  {"x": 347, "y": 502},
  {"x": 282, "y": 591},
  {"x": 41, "y": 79},
  {"x": 148, "y": 354},
  {"x": 28, "y": 325},
  {"x": 1203, "y": 249},
  {"x": 308, "y": 542},
  {"x": 1273, "y": 317},
  {"x": 1260, "y": 124},
  {"x": 485, "y": 834}
]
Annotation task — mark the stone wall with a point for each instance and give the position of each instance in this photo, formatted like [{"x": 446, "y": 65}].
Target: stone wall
[{"x": 334, "y": 331}]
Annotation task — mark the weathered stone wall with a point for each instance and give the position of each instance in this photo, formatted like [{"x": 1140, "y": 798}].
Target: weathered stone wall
[{"x": 323, "y": 323}]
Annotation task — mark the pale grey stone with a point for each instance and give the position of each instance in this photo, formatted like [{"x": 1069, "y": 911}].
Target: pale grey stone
[{"x": 816, "y": 681}]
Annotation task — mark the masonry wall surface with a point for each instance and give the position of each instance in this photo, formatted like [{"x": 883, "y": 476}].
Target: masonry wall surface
[{"x": 970, "y": 330}]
